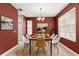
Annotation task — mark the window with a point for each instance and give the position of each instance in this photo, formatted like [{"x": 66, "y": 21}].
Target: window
[{"x": 67, "y": 25}]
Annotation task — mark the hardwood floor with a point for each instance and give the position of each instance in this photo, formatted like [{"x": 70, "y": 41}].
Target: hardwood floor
[{"x": 19, "y": 51}]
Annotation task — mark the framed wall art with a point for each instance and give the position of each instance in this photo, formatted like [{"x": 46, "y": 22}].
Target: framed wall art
[{"x": 6, "y": 23}]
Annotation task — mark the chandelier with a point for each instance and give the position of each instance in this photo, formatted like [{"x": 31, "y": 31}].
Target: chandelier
[{"x": 40, "y": 18}]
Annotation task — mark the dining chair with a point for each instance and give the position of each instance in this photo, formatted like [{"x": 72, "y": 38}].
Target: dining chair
[
  {"x": 33, "y": 43},
  {"x": 25, "y": 41},
  {"x": 55, "y": 42},
  {"x": 27, "y": 35},
  {"x": 53, "y": 36},
  {"x": 40, "y": 44}
]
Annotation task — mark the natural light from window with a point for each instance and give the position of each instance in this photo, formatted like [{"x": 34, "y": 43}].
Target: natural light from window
[{"x": 67, "y": 25}]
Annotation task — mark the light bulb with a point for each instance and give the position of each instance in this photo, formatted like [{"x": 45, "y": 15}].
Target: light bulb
[
  {"x": 43, "y": 18},
  {"x": 39, "y": 18}
]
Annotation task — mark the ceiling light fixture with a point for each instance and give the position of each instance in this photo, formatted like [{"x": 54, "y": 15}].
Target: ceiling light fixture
[
  {"x": 20, "y": 9},
  {"x": 40, "y": 18}
]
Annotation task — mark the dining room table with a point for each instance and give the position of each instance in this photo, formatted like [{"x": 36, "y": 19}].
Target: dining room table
[{"x": 46, "y": 37}]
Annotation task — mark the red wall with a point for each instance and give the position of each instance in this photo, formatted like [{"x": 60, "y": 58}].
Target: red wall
[
  {"x": 72, "y": 45},
  {"x": 56, "y": 24},
  {"x": 8, "y": 39},
  {"x": 50, "y": 20}
]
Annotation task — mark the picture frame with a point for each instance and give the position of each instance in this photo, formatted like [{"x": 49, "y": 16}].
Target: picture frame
[
  {"x": 42, "y": 26},
  {"x": 6, "y": 23}
]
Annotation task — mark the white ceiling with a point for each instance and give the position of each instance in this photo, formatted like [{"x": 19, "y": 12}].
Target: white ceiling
[{"x": 33, "y": 9}]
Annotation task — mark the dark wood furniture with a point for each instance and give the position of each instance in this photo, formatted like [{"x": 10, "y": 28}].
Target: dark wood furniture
[{"x": 34, "y": 38}]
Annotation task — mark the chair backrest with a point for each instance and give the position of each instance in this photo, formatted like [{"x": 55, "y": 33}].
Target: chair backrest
[
  {"x": 40, "y": 43},
  {"x": 25, "y": 40},
  {"x": 58, "y": 39},
  {"x": 54, "y": 38},
  {"x": 27, "y": 36},
  {"x": 52, "y": 35}
]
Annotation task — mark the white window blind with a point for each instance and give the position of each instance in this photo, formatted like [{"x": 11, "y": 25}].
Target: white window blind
[{"x": 67, "y": 25}]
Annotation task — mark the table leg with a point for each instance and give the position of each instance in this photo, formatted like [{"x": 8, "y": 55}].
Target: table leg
[
  {"x": 51, "y": 48},
  {"x": 30, "y": 47}
]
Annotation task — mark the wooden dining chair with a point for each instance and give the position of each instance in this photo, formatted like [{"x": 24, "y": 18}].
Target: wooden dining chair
[{"x": 40, "y": 44}]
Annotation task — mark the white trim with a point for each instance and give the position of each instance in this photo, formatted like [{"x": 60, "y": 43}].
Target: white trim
[
  {"x": 4, "y": 54},
  {"x": 69, "y": 49}
]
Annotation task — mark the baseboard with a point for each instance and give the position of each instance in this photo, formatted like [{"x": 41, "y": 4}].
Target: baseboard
[
  {"x": 4, "y": 54},
  {"x": 69, "y": 49}
]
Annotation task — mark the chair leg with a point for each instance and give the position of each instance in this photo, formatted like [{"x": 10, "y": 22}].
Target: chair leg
[
  {"x": 44, "y": 51},
  {"x": 54, "y": 45},
  {"x": 37, "y": 51},
  {"x": 24, "y": 47},
  {"x": 27, "y": 45},
  {"x": 57, "y": 49}
]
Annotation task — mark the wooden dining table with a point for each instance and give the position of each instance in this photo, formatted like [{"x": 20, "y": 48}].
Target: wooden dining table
[{"x": 34, "y": 38}]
